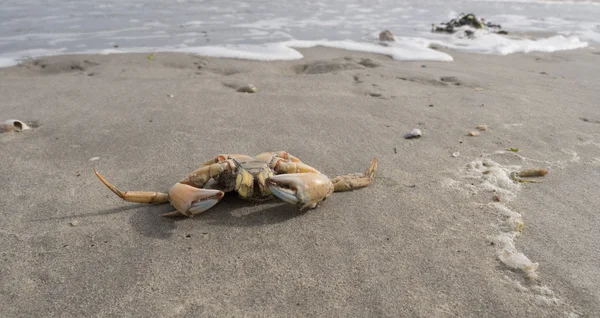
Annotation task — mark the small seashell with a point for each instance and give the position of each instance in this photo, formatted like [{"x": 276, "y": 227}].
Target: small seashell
[
  {"x": 13, "y": 125},
  {"x": 473, "y": 133},
  {"x": 415, "y": 133},
  {"x": 482, "y": 127},
  {"x": 386, "y": 36},
  {"x": 456, "y": 154},
  {"x": 170, "y": 95},
  {"x": 74, "y": 223},
  {"x": 247, "y": 89},
  {"x": 94, "y": 159}
]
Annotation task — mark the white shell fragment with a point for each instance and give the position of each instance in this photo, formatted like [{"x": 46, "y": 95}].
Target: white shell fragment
[
  {"x": 247, "y": 89},
  {"x": 13, "y": 125},
  {"x": 415, "y": 133},
  {"x": 473, "y": 133},
  {"x": 94, "y": 159},
  {"x": 455, "y": 154}
]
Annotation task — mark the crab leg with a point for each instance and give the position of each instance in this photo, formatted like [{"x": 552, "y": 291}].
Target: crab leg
[
  {"x": 135, "y": 196},
  {"x": 224, "y": 157},
  {"x": 199, "y": 177},
  {"x": 355, "y": 180},
  {"x": 269, "y": 156},
  {"x": 185, "y": 196},
  {"x": 281, "y": 166}
]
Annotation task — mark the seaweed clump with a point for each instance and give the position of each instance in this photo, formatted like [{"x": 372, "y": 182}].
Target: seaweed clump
[{"x": 465, "y": 21}]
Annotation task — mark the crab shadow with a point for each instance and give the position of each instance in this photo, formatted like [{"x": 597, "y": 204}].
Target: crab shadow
[
  {"x": 231, "y": 211},
  {"x": 105, "y": 212}
]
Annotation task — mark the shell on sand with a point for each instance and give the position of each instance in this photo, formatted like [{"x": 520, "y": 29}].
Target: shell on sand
[
  {"x": 247, "y": 89},
  {"x": 12, "y": 125},
  {"x": 415, "y": 133},
  {"x": 473, "y": 133},
  {"x": 482, "y": 127}
]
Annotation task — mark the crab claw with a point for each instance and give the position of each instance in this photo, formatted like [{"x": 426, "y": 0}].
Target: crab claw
[
  {"x": 305, "y": 190},
  {"x": 190, "y": 201}
]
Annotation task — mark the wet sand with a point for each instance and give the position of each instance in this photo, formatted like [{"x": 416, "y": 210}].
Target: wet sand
[{"x": 421, "y": 241}]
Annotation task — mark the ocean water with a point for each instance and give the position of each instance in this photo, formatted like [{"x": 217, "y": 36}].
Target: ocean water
[{"x": 270, "y": 30}]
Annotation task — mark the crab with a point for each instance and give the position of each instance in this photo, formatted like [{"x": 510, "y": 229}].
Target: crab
[{"x": 260, "y": 178}]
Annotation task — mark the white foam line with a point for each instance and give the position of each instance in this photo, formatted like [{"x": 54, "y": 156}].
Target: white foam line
[
  {"x": 285, "y": 50},
  {"x": 265, "y": 52},
  {"x": 490, "y": 43},
  {"x": 397, "y": 51},
  {"x": 404, "y": 49},
  {"x": 495, "y": 179}
]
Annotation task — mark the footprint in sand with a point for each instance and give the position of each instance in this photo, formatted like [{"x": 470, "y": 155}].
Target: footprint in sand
[
  {"x": 425, "y": 81},
  {"x": 336, "y": 65},
  {"x": 587, "y": 120},
  {"x": 330, "y": 66},
  {"x": 60, "y": 65},
  {"x": 450, "y": 79}
]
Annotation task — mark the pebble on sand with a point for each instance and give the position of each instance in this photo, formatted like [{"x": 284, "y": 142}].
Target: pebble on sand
[
  {"x": 247, "y": 89},
  {"x": 415, "y": 133},
  {"x": 94, "y": 159},
  {"x": 482, "y": 127},
  {"x": 386, "y": 36},
  {"x": 74, "y": 223},
  {"x": 473, "y": 133}
]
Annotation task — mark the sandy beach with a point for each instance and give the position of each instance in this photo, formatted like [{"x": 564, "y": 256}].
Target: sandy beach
[{"x": 421, "y": 241}]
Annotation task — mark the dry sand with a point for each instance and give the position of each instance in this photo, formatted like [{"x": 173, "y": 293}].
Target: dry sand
[{"x": 419, "y": 242}]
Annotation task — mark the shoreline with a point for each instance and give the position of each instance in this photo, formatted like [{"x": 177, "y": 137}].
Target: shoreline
[
  {"x": 411, "y": 244},
  {"x": 402, "y": 49}
]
